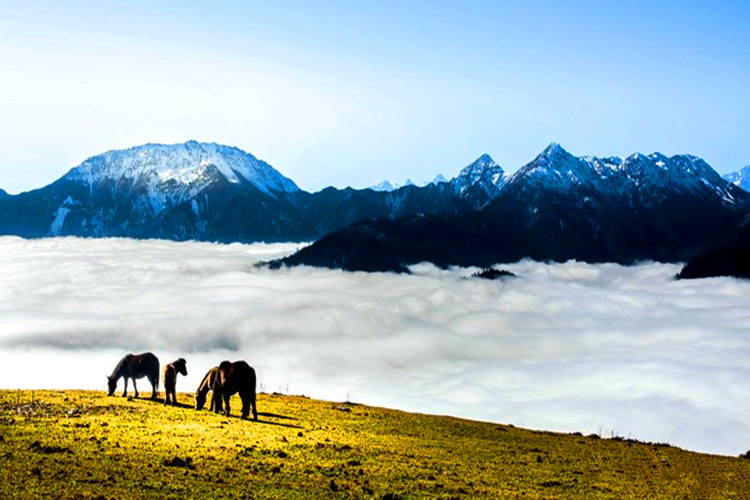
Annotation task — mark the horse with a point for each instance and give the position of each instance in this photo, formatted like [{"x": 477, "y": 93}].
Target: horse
[
  {"x": 135, "y": 366},
  {"x": 206, "y": 385},
  {"x": 170, "y": 379},
  {"x": 236, "y": 378}
]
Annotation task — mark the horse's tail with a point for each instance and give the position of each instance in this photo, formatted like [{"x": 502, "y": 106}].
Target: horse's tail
[
  {"x": 156, "y": 384},
  {"x": 254, "y": 392}
]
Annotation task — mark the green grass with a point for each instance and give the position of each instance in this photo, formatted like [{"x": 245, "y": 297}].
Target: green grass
[{"x": 76, "y": 444}]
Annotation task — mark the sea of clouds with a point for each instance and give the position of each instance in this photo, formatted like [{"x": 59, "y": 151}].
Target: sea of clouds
[{"x": 569, "y": 347}]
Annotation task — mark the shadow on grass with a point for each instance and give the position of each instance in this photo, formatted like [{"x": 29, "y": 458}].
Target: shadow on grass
[
  {"x": 266, "y": 422},
  {"x": 160, "y": 401},
  {"x": 274, "y": 415}
]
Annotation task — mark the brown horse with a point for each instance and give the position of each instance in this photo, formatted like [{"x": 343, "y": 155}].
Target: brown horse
[
  {"x": 170, "y": 379},
  {"x": 135, "y": 366},
  {"x": 236, "y": 378},
  {"x": 207, "y": 384}
]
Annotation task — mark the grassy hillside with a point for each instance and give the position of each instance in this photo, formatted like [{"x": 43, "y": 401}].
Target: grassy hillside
[{"x": 84, "y": 444}]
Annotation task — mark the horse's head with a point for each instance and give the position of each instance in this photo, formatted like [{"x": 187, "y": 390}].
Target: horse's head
[
  {"x": 181, "y": 366},
  {"x": 200, "y": 400},
  {"x": 111, "y": 385}
]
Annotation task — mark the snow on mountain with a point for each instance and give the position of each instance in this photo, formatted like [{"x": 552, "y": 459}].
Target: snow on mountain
[
  {"x": 177, "y": 172},
  {"x": 389, "y": 186},
  {"x": 392, "y": 186},
  {"x": 384, "y": 186},
  {"x": 557, "y": 169},
  {"x": 741, "y": 178},
  {"x": 483, "y": 173},
  {"x": 439, "y": 179}
]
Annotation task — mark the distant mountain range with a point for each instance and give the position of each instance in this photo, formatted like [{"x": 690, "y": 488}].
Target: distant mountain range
[
  {"x": 391, "y": 186},
  {"x": 210, "y": 192},
  {"x": 557, "y": 207},
  {"x": 741, "y": 178}
]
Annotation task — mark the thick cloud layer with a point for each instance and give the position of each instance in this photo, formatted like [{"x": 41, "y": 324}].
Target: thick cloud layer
[{"x": 568, "y": 347}]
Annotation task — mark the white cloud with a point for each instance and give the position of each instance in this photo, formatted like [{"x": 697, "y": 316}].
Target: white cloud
[{"x": 568, "y": 347}]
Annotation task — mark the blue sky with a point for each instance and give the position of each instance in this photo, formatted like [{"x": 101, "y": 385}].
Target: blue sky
[{"x": 350, "y": 93}]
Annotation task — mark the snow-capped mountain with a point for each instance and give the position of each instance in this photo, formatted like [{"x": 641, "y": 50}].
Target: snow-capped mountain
[
  {"x": 439, "y": 179},
  {"x": 741, "y": 178},
  {"x": 388, "y": 186},
  {"x": 204, "y": 191},
  {"x": 191, "y": 190},
  {"x": 483, "y": 178},
  {"x": 166, "y": 175},
  {"x": 385, "y": 186},
  {"x": 483, "y": 174},
  {"x": 558, "y": 207},
  {"x": 637, "y": 175}
]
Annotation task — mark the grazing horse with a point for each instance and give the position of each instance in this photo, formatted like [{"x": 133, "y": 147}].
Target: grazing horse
[
  {"x": 135, "y": 366},
  {"x": 207, "y": 384},
  {"x": 170, "y": 379},
  {"x": 236, "y": 378}
]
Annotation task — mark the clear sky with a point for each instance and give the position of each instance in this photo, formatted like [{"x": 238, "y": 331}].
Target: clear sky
[{"x": 354, "y": 92}]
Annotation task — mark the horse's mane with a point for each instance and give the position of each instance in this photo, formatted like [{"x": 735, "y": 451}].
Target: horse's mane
[
  {"x": 118, "y": 367},
  {"x": 204, "y": 386}
]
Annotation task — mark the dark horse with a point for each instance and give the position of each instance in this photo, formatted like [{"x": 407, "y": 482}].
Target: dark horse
[
  {"x": 236, "y": 378},
  {"x": 207, "y": 384},
  {"x": 135, "y": 366},
  {"x": 170, "y": 379}
]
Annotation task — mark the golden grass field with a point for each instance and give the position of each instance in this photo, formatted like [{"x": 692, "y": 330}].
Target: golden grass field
[{"x": 82, "y": 444}]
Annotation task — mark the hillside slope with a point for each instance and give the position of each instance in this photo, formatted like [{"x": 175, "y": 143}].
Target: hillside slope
[{"x": 83, "y": 444}]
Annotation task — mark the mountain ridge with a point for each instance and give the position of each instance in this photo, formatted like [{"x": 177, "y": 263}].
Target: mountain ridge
[
  {"x": 557, "y": 207},
  {"x": 740, "y": 178},
  {"x": 193, "y": 190}
]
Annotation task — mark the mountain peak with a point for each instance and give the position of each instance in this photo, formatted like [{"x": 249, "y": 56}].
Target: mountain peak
[
  {"x": 740, "y": 178},
  {"x": 481, "y": 164},
  {"x": 386, "y": 185},
  {"x": 484, "y": 158},
  {"x": 554, "y": 150},
  {"x": 181, "y": 164},
  {"x": 483, "y": 172}
]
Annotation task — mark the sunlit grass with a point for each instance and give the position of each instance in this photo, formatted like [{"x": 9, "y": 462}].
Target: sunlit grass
[{"x": 83, "y": 444}]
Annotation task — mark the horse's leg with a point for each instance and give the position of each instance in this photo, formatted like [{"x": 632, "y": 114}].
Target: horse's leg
[
  {"x": 135, "y": 387},
  {"x": 154, "y": 386},
  {"x": 216, "y": 405},
  {"x": 125, "y": 389},
  {"x": 255, "y": 408},
  {"x": 226, "y": 403},
  {"x": 245, "y": 403}
]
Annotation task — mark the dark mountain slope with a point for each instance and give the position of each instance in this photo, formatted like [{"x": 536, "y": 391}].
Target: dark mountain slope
[
  {"x": 731, "y": 259},
  {"x": 558, "y": 207},
  {"x": 206, "y": 191}
]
